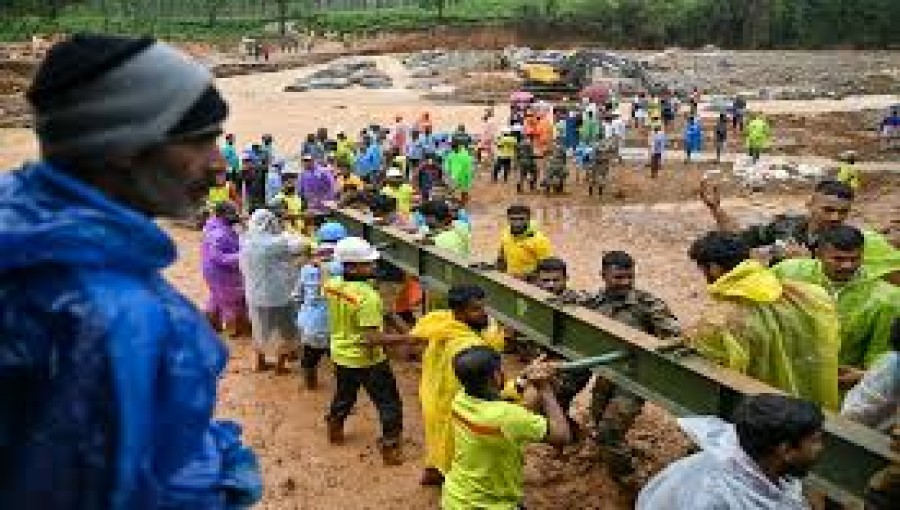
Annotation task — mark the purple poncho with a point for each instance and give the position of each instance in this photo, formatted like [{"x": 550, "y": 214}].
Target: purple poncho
[
  {"x": 219, "y": 252},
  {"x": 316, "y": 187}
]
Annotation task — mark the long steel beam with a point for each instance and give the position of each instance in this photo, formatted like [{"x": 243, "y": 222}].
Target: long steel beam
[{"x": 680, "y": 381}]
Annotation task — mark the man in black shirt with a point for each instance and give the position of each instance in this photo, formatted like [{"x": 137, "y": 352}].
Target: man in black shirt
[{"x": 787, "y": 236}]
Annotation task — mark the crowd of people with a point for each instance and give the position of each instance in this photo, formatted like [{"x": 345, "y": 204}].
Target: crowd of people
[{"x": 116, "y": 372}]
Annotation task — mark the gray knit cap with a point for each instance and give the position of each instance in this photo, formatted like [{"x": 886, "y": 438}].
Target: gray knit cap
[{"x": 129, "y": 107}]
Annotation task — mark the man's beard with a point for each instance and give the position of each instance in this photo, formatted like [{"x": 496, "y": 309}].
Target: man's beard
[
  {"x": 161, "y": 192},
  {"x": 478, "y": 325}
]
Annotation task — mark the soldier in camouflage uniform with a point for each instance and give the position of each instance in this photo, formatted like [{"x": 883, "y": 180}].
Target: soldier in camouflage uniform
[
  {"x": 598, "y": 167},
  {"x": 787, "y": 235},
  {"x": 613, "y": 409},
  {"x": 527, "y": 163},
  {"x": 557, "y": 171},
  {"x": 551, "y": 275}
]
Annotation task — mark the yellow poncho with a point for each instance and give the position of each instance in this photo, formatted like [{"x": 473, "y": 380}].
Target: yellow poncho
[
  {"x": 522, "y": 253},
  {"x": 446, "y": 337},
  {"x": 785, "y": 334}
]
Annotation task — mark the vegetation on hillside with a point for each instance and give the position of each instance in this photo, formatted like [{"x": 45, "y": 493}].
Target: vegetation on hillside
[{"x": 732, "y": 23}]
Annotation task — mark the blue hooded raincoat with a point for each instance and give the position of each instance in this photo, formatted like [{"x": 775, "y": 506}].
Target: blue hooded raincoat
[{"x": 107, "y": 374}]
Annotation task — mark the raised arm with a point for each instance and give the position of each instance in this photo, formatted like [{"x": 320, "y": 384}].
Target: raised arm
[{"x": 709, "y": 193}]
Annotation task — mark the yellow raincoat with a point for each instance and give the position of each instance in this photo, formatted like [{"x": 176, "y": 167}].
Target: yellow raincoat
[
  {"x": 446, "y": 337},
  {"x": 849, "y": 175},
  {"x": 784, "y": 333},
  {"x": 522, "y": 253}
]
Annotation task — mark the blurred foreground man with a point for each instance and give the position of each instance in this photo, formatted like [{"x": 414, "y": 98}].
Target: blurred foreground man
[
  {"x": 755, "y": 463},
  {"x": 108, "y": 374}
]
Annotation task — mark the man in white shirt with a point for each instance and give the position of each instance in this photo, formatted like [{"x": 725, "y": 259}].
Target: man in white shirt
[{"x": 754, "y": 464}]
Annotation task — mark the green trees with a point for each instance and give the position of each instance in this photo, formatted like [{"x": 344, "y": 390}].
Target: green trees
[{"x": 628, "y": 23}]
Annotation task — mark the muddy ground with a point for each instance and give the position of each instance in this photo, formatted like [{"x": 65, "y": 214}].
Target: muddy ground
[
  {"x": 284, "y": 423},
  {"x": 655, "y": 220}
]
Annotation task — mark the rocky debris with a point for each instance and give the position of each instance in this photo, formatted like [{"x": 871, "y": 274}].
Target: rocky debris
[
  {"x": 765, "y": 172},
  {"x": 777, "y": 74},
  {"x": 342, "y": 74}
]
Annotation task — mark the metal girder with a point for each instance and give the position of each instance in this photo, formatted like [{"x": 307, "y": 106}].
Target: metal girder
[{"x": 679, "y": 381}]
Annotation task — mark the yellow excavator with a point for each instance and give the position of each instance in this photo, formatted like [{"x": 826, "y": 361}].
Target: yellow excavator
[{"x": 553, "y": 78}]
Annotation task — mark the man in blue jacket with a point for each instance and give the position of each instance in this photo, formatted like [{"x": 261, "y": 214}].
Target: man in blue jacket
[{"x": 107, "y": 374}]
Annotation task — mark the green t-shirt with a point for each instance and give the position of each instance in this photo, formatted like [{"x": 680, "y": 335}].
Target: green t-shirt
[
  {"x": 455, "y": 239},
  {"x": 459, "y": 167},
  {"x": 489, "y": 439},
  {"x": 353, "y": 307}
]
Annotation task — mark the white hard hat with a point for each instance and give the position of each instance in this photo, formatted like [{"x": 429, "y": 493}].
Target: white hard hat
[
  {"x": 394, "y": 172},
  {"x": 355, "y": 249}
]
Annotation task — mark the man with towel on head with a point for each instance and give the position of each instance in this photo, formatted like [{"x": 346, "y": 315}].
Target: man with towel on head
[{"x": 114, "y": 370}]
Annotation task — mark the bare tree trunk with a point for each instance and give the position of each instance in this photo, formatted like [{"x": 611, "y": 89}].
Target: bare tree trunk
[{"x": 282, "y": 17}]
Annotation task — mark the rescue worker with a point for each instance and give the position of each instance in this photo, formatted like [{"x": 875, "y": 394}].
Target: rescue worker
[
  {"x": 312, "y": 317},
  {"x": 522, "y": 246},
  {"x": 526, "y": 161},
  {"x": 693, "y": 138},
  {"x": 866, "y": 306},
  {"x": 658, "y": 142},
  {"x": 557, "y": 171},
  {"x": 293, "y": 204},
  {"x": 369, "y": 162},
  {"x": 344, "y": 154},
  {"x": 233, "y": 161},
  {"x": 794, "y": 235},
  {"x": 783, "y": 332},
  {"x": 460, "y": 169},
  {"x": 613, "y": 410},
  {"x": 758, "y": 137},
  {"x": 598, "y": 166},
  {"x": 109, "y": 373},
  {"x": 506, "y": 152},
  {"x": 721, "y": 134},
  {"x": 226, "y": 307},
  {"x": 847, "y": 172},
  {"x": 399, "y": 190},
  {"x": 443, "y": 231},
  {"x": 875, "y": 400},
  {"x": 590, "y": 129},
  {"x": 356, "y": 318},
  {"x": 759, "y": 461},
  {"x": 490, "y": 434},
  {"x": 447, "y": 333},
  {"x": 317, "y": 185}
]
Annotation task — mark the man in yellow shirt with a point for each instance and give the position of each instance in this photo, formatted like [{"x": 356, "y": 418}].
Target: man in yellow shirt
[
  {"x": 291, "y": 202},
  {"x": 490, "y": 434},
  {"x": 506, "y": 151},
  {"x": 399, "y": 190},
  {"x": 448, "y": 332},
  {"x": 522, "y": 246},
  {"x": 356, "y": 320}
]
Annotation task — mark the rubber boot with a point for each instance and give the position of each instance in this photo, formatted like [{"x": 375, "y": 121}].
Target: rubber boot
[
  {"x": 391, "y": 453},
  {"x": 335, "y": 431}
]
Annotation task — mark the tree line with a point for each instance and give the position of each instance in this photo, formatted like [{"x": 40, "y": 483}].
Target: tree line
[{"x": 730, "y": 23}]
